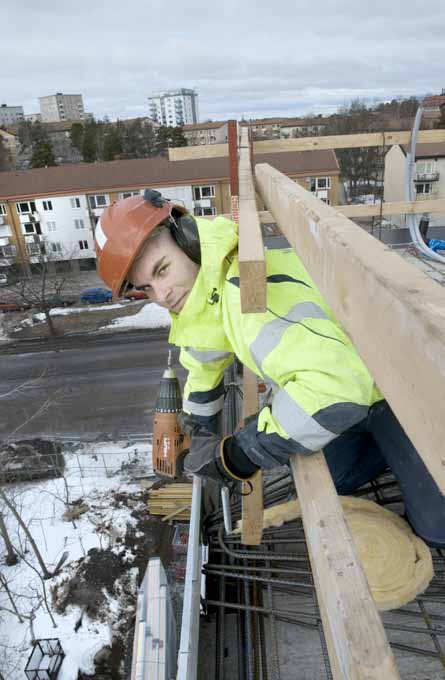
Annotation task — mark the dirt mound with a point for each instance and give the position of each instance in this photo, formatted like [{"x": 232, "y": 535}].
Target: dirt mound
[
  {"x": 97, "y": 572},
  {"x": 104, "y": 571},
  {"x": 30, "y": 459}
]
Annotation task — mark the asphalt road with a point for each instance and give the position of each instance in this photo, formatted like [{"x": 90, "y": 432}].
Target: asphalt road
[{"x": 88, "y": 386}]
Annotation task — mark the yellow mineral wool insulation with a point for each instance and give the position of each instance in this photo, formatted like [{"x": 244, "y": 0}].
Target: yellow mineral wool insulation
[{"x": 397, "y": 564}]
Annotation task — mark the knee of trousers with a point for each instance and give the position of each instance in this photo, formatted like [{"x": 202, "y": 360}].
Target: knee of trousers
[{"x": 431, "y": 529}]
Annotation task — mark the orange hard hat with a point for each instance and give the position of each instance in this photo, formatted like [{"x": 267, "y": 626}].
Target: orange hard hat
[{"x": 121, "y": 232}]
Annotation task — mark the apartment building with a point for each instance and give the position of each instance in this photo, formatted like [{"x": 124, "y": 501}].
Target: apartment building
[
  {"x": 205, "y": 133},
  {"x": 429, "y": 179},
  {"x": 54, "y": 211},
  {"x": 432, "y": 105},
  {"x": 61, "y": 107},
  {"x": 174, "y": 108},
  {"x": 285, "y": 128},
  {"x": 10, "y": 114}
]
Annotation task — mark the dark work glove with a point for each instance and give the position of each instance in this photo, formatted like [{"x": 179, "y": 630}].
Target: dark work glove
[{"x": 215, "y": 457}]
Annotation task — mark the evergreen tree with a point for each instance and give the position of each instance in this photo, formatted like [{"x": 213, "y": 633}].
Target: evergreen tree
[
  {"x": 39, "y": 135},
  {"x": 5, "y": 157},
  {"x": 76, "y": 135},
  {"x": 132, "y": 140},
  {"x": 89, "y": 142},
  {"x": 169, "y": 136},
  {"x": 42, "y": 155},
  {"x": 112, "y": 143},
  {"x": 24, "y": 133},
  {"x": 177, "y": 137},
  {"x": 148, "y": 139}
]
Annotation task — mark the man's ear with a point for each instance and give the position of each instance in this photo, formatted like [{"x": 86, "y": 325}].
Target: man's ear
[{"x": 185, "y": 232}]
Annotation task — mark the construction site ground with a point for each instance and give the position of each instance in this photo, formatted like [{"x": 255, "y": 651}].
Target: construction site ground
[
  {"x": 109, "y": 540},
  {"x": 288, "y": 642}
]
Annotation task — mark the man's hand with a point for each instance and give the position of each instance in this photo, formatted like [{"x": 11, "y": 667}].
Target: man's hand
[
  {"x": 204, "y": 457},
  {"x": 218, "y": 458}
]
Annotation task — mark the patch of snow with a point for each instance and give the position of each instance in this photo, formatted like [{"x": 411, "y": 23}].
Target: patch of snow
[
  {"x": 3, "y": 335},
  {"x": 66, "y": 311},
  {"x": 149, "y": 316},
  {"x": 93, "y": 473}
]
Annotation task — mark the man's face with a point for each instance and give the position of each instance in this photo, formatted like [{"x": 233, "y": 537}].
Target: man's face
[{"x": 164, "y": 271}]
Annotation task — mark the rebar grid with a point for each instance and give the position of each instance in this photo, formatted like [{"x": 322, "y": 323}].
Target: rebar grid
[{"x": 271, "y": 586}]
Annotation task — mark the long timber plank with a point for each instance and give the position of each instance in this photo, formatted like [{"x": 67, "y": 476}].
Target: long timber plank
[
  {"x": 394, "y": 314},
  {"x": 311, "y": 144},
  {"x": 373, "y": 209},
  {"x": 252, "y": 263},
  {"x": 393, "y": 208},
  {"x": 252, "y": 500},
  {"x": 355, "y": 637}
]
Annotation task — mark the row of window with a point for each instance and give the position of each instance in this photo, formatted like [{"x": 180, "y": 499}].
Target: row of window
[
  {"x": 41, "y": 248},
  {"x": 34, "y": 227},
  {"x": 97, "y": 201}
]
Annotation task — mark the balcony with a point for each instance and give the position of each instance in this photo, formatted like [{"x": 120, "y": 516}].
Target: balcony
[
  {"x": 427, "y": 197},
  {"x": 5, "y": 230},
  {"x": 2, "y": 219},
  {"x": 4, "y": 242},
  {"x": 426, "y": 177}
]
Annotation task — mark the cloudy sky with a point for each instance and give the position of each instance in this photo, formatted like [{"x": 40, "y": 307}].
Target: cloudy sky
[{"x": 249, "y": 58}]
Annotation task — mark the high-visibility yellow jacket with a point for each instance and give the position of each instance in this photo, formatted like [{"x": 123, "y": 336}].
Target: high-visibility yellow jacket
[{"x": 322, "y": 387}]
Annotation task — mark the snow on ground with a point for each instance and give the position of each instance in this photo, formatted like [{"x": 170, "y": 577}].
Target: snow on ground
[
  {"x": 149, "y": 316},
  {"x": 93, "y": 473},
  {"x": 3, "y": 335},
  {"x": 66, "y": 311}
]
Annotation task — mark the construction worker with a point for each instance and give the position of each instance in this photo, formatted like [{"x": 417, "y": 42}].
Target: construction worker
[{"x": 324, "y": 396}]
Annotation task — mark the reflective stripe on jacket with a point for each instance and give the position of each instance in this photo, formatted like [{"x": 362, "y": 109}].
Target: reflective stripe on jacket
[{"x": 321, "y": 386}]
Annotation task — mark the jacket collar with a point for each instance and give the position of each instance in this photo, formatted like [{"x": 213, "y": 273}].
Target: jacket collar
[{"x": 200, "y": 323}]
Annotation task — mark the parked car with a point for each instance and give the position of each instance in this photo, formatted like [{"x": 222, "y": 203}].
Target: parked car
[
  {"x": 3, "y": 280},
  {"x": 95, "y": 295},
  {"x": 134, "y": 294},
  {"x": 11, "y": 306}
]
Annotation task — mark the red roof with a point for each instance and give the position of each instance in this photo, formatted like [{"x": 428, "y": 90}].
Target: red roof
[{"x": 159, "y": 171}]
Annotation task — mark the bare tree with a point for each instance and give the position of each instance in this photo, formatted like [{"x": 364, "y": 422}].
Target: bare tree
[
  {"x": 361, "y": 168},
  {"x": 11, "y": 555},
  {"x": 44, "y": 287},
  {"x": 9, "y": 503}
]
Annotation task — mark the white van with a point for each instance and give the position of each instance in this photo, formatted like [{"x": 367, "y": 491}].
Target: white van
[{"x": 3, "y": 280}]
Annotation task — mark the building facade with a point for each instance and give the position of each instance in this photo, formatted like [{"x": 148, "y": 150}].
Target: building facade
[
  {"x": 10, "y": 115},
  {"x": 205, "y": 133},
  {"x": 11, "y": 143},
  {"x": 61, "y": 107},
  {"x": 174, "y": 108},
  {"x": 432, "y": 105},
  {"x": 429, "y": 179},
  {"x": 285, "y": 128},
  {"x": 53, "y": 211}
]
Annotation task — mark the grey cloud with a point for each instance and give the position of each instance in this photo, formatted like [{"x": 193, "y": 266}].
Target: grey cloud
[{"x": 258, "y": 58}]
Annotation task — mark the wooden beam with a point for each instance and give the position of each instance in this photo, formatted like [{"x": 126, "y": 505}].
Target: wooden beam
[
  {"x": 394, "y": 313},
  {"x": 252, "y": 264},
  {"x": 189, "y": 153},
  {"x": 355, "y": 141},
  {"x": 394, "y": 208},
  {"x": 356, "y": 640},
  {"x": 252, "y": 504}
]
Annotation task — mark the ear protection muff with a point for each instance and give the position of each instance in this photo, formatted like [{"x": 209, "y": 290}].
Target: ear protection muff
[{"x": 182, "y": 226}]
